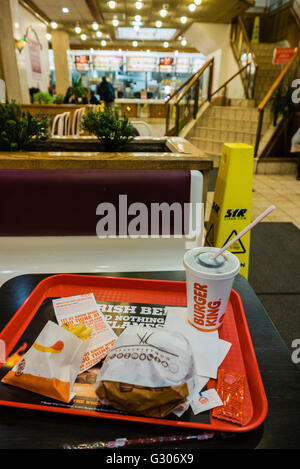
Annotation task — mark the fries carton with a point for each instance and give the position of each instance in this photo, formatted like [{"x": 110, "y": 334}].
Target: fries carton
[{"x": 52, "y": 363}]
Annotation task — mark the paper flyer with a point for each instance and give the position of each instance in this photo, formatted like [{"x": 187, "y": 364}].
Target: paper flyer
[{"x": 75, "y": 309}]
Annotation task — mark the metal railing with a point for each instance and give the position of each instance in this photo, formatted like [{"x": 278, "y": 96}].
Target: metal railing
[
  {"x": 244, "y": 70},
  {"x": 279, "y": 99},
  {"x": 184, "y": 104},
  {"x": 244, "y": 55}
]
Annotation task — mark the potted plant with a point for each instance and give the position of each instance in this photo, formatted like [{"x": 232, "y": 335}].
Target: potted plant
[
  {"x": 113, "y": 132},
  {"x": 18, "y": 130},
  {"x": 59, "y": 99},
  {"x": 42, "y": 98},
  {"x": 78, "y": 91}
]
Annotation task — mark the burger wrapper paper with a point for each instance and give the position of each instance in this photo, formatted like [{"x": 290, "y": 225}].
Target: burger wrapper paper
[
  {"x": 149, "y": 371},
  {"x": 51, "y": 365}
]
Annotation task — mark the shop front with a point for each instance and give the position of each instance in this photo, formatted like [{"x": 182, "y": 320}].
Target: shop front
[{"x": 142, "y": 80}]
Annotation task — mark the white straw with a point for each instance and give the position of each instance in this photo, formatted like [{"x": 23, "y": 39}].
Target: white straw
[{"x": 245, "y": 230}]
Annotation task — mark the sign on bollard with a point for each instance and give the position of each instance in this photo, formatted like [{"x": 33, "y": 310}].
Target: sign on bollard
[{"x": 231, "y": 208}]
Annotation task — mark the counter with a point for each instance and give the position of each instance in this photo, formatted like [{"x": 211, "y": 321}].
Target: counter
[{"x": 137, "y": 107}]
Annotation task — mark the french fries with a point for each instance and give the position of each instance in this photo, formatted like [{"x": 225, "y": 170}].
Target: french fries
[{"x": 80, "y": 330}]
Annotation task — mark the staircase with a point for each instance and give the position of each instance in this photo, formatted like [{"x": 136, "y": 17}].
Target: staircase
[
  {"x": 237, "y": 122},
  {"x": 267, "y": 72}
]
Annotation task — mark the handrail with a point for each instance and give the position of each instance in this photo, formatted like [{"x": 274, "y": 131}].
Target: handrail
[
  {"x": 247, "y": 40},
  {"x": 194, "y": 79},
  {"x": 241, "y": 44},
  {"x": 267, "y": 98},
  {"x": 179, "y": 89},
  {"x": 231, "y": 78},
  {"x": 278, "y": 80},
  {"x": 174, "y": 108}
]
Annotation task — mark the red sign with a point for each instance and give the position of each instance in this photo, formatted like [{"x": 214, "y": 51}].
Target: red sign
[
  {"x": 283, "y": 55},
  {"x": 35, "y": 59},
  {"x": 82, "y": 62}
]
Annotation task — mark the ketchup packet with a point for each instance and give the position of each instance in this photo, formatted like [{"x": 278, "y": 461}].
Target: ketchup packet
[
  {"x": 52, "y": 363},
  {"x": 231, "y": 389}
]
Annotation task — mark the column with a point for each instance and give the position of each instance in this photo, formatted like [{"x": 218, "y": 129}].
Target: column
[
  {"x": 61, "y": 45},
  {"x": 9, "y": 66}
]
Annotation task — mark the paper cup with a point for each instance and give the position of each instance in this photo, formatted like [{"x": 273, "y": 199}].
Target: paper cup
[{"x": 209, "y": 285}]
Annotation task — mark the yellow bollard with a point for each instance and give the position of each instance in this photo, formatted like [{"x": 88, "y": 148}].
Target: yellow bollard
[{"x": 231, "y": 208}]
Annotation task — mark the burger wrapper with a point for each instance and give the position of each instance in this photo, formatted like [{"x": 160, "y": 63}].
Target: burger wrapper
[
  {"x": 150, "y": 402},
  {"x": 149, "y": 371},
  {"x": 51, "y": 365}
]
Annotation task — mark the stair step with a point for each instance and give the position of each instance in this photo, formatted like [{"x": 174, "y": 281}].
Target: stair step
[
  {"x": 216, "y": 146},
  {"x": 224, "y": 134},
  {"x": 235, "y": 113}
]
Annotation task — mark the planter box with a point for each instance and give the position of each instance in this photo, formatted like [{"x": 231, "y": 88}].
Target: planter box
[{"x": 93, "y": 145}]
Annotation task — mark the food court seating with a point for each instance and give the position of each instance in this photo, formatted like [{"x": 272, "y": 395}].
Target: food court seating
[{"x": 49, "y": 219}]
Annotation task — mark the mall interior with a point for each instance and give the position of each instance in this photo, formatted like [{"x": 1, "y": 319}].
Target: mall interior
[{"x": 108, "y": 107}]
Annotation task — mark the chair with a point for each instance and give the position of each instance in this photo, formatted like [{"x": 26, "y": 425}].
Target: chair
[
  {"x": 143, "y": 129},
  {"x": 61, "y": 125},
  {"x": 57, "y": 125},
  {"x": 76, "y": 124}
]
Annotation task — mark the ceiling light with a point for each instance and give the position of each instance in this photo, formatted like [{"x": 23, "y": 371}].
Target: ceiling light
[
  {"x": 115, "y": 22},
  {"x": 197, "y": 2},
  {"x": 53, "y": 25},
  {"x": 95, "y": 26},
  {"x": 112, "y": 4},
  {"x": 78, "y": 29},
  {"x": 192, "y": 7},
  {"x": 65, "y": 10},
  {"x": 48, "y": 36},
  {"x": 103, "y": 43},
  {"x": 166, "y": 44},
  {"x": 176, "y": 53},
  {"x": 183, "y": 42},
  {"x": 163, "y": 13},
  {"x": 158, "y": 24},
  {"x": 138, "y": 5},
  {"x": 148, "y": 51},
  {"x": 98, "y": 34},
  {"x": 120, "y": 50},
  {"x": 136, "y": 27},
  {"x": 135, "y": 43},
  {"x": 137, "y": 17},
  {"x": 183, "y": 19},
  {"x": 83, "y": 37},
  {"x": 91, "y": 49}
]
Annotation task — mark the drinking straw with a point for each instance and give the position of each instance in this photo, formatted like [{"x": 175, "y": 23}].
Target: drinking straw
[
  {"x": 122, "y": 442},
  {"x": 245, "y": 230}
]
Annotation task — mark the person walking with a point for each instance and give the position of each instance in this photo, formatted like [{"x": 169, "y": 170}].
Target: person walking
[{"x": 106, "y": 92}]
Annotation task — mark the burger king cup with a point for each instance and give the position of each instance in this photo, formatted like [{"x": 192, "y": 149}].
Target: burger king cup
[
  {"x": 209, "y": 280},
  {"x": 210, "y": 274}
]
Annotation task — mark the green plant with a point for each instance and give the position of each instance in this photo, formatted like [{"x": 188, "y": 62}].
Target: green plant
[
  {"x": 59, "y": 99},
  {"x": 42, "y": 98},
  {"x": 112, "y": 131},
  {"x": 78, "y": 91},
  {"x": 18, "y": 129}
]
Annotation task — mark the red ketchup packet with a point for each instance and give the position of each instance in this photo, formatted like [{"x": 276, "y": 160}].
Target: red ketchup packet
[{"x": 231, "y": 389}]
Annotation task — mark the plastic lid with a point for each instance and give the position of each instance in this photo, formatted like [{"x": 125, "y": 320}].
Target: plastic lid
[{"x": 200, "y": 261}]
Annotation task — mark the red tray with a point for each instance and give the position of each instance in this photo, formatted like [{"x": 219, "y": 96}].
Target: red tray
[{"x": 241, "y": 357}]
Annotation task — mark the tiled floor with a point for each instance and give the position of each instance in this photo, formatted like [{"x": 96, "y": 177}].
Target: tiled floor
[{"x": 283, "y": 191}]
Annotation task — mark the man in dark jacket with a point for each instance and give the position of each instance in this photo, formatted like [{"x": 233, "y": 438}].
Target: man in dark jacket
[{"x": 106, "y": 92}]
